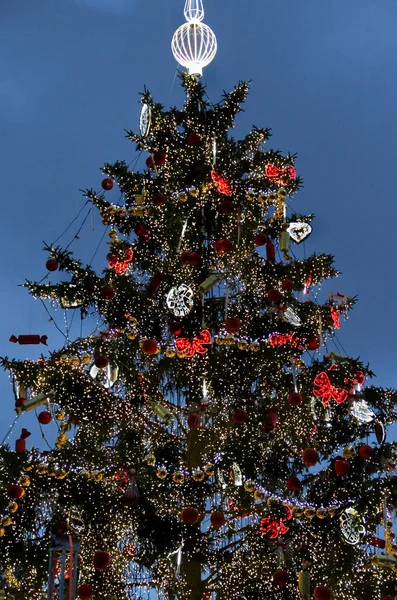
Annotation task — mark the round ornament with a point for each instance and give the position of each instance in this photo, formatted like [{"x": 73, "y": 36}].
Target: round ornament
[
  {"x": 178, "y": 477},
  {"x": 260, "y": 239},
  {"x": 149, "y": 347},
  {"x": 85, "y": 591},
  {"x": 310, "y": 457},
  {"x": 52, "y": 264},
  {"x": 190, "y": 515},
  {"x": 107, "y": 184},
  {"x": 294, "y": 399},
  {"x": 239, "y": 416},
  {"x": 198, "y": 475},
  {"x": 44, "y": 417},
  {"x": 287, "y": 285},
  {"x": 342, "y": 467},
  {"x": 366, "y": 451},
  {"x": 293, "y": 484},
  {"x": 280, "y": 578},
  {"x": 217, "y": 519},
  {"x": 193, "y": 421},
  {"x": 232, "y": 324},
  {"x": 352, "y": 526},
  {"x": 180, "y": 300},
  {"x": 15, "y": 491},
  {"x": 101, "y": 560},
  {"x": 322, "y": 592}
]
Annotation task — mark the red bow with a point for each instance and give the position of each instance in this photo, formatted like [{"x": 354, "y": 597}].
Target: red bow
[
  {"x": 280, "y": 175},
  {"x": 280, "y": 339},
  {"x": 221, "y": 183},
  {"x": 120, "y": 266},
  {"x": 190, "y": 347},
  {"x": 275, "y": 527},
  {"x": 324, "y": 389}
]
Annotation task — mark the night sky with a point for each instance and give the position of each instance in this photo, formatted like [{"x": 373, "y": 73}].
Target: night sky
[{"x": 323, "y": 78}]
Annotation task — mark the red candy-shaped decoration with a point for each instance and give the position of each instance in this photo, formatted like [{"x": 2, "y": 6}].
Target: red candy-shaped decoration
[
  {"x": 189, "y": 515},
  {"x": 239, "y": 416},
  {"x": 29, "y": 339},
  {"x": 107, "y": 184},
  {"x": 217, "y": 519},
  {"x": 149, "y": 347},
  {"x": 310, "y": 457},
  {"x": 44, "y": 417},
  {"x": 342, "y": 467},
  {"x": 193, "y": 421},
  {"x": 232, "y": 324},
  {"x": 101, "y": 560}
]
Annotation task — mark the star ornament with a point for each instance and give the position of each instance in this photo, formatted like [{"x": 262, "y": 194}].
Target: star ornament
[{"x": 299, "y": 231}]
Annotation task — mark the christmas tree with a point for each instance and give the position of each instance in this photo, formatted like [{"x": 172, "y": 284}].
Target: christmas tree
[{"x": 209, "y": 444}]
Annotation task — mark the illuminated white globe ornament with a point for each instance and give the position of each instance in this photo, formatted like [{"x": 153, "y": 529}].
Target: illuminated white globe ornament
[
  {"x": 180, "y": 300},
  {"x": 194, "y": 43}
]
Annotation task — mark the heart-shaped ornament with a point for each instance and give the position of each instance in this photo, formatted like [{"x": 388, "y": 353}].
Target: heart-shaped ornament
[{"x": 299, "y": 231}]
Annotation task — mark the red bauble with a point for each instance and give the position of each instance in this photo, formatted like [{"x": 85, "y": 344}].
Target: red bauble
[
  {"x": 293, "y": 484},
  {"x": 223, "y": 246},
  {"x": 274, "y": 295},
  {"x": 341, "y": 466},
  {"x": 313, "y": 343},
  {"x": 388, "y": 598},
  {"x": 217, "y": 519},
  {"x": 19, "y": 402},
  {"x": 44, "y": 417},
  {"x": 191, "y": 258},
  {"x": 101, "y": 361},
  {"x": 107, "y": 292},
  {"x": 260, "y": 239},
  {"x": 159, "y": 158},
  {"x": 149, "y": 162},
  {"x": 366, "y": 451},
  {"x": 20, "y": 445},
  {"x": 193, "y": 421},
  {"x": 294, "y": 398},
  {"x": 149, "y": 346},
  {"x": 287, "y": 285},
  {"x": 175, "y": 328},
  {"x": 131, "y": 498},
  {"x": 14, "y": 491},
  {"x": 322, "y": 592},
  {"x": 85, "y": 591},
  {"x": 310, "y": 457},
  {"x": 107, "y": 184},
  {"x": 239, "y": 416},
  {"x": 101, "y": 560},
  {"x": 52, "y": 264},
  {"x": 158, "y": 199},
  {"x": 280, "y": 578},
  {"x": 190, "y": 515},
  {"x": 227, "y": 207},
  {"x": 271, "y": 419},
  {"x": 232, "y": 324},
  {"x": 193, "y": 139},
  {"x": 140, "y": 230}
]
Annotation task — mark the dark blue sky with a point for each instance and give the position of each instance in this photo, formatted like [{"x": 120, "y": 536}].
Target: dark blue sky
[{"x": 323, "y": 77}]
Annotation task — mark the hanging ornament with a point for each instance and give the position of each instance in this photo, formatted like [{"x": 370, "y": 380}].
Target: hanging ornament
[
  {"x": 289, "y": 315},
  {"x": 304, "y": 580},
  {"x": 352, "y": 526},
  {"x": 180, "y": 300},
  {"x": 190, "y": 515},
  {"x": 52, "y": 264},
  {"x": 280, "y": 175},
  {"x": 284, "y": 244},
  {"x": 322, "y": 592},
  {"x": 75, "y": 522},
  {"x": 299, "y": 231},
  {"x": 108, "y": 374},
  {"x": 29, "y": 339},
  {"x": 360, "y": 410},
  {"x": 324, "y": 389},
  {"x": 221, "y": 183},
  {"x": 107, "y": 184},
  {"x": 189, "y": 347}
]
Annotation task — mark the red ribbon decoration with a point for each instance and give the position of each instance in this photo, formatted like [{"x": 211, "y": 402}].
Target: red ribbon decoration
[
  {"x": 335, "y": 317},
  {"x": 280, "y": 175},
  {"x": 324, "y": 389},
  {"x": 190, "y": 346},
  {"x": 120, "y": 266},
  {"x": 221, "y": 183},
  {"x": 280, "y": 339},
  {"x": 275, "y": 527}
]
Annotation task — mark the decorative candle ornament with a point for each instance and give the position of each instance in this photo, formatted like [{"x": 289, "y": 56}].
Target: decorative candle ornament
[{"x": 194, "y": 43}]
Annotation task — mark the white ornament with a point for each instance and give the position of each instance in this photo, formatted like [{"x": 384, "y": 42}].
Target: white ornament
[
  {"x": 291, "y": 317},
  {"x": 109, "y": 373},
  {"x": 194, "y": 43},
  {"x": 352, "y": 526},
  {"x": 299, "y": 231},
  {"x": 360, "y": 410},
  {"x": 145, "y": 120},
  {"x": 180, "y": 300}
]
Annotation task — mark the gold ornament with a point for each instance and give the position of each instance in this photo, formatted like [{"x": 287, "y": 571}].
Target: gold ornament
[
  {"x": 230, "y": 340},
  {"x": 121, "y": 212},
  {"x": 85, "y": 358},
  {"x": 181, "y": 355},
  {"x": 249, "y": 196},
  {"x": 254, "y": 346},
  {"x": 42, "y": 469},
  {"x": 282, "y": 192},
  {"x": 194, "y": 192},
  {"x": 97, "y": 475},
  {"x": 242, "y": 345},
  {"x": 348, "y": 452},
  {"x": 321, "y": 513},
  {"x": 112, "y": 233},
  {"x": 209, "y": 470},
  {"x": 24, "y": 480},
  {"x": 332, "y": 511},
  {"x": 139, "y": 199},
  {"x": 61, "y": 473},
  {"x": 259, "y": 495},
  {"x": 178, "y": 477},
  {"x": 310, "y": 512},
  {"x": 297, "y": 511},
  {"x": 219, "y": 340},
  {"x": 170, "y": 352},
  {"x": 150, "y": 460},
  {"x": 249, "y": 486},
  {"x": 75, "y": 361},
  {"x": 2, "y": 531},
  {"x": 60, "y": 414},
  {"x": 198, "y": 475},
  {"x": 182, "y": 197},
  {"x": 131, "y": 335},
  {"x": 13, "y": 507},
  {"x": 6, "y": 521},
  {"x": 162, "y": 473}
]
